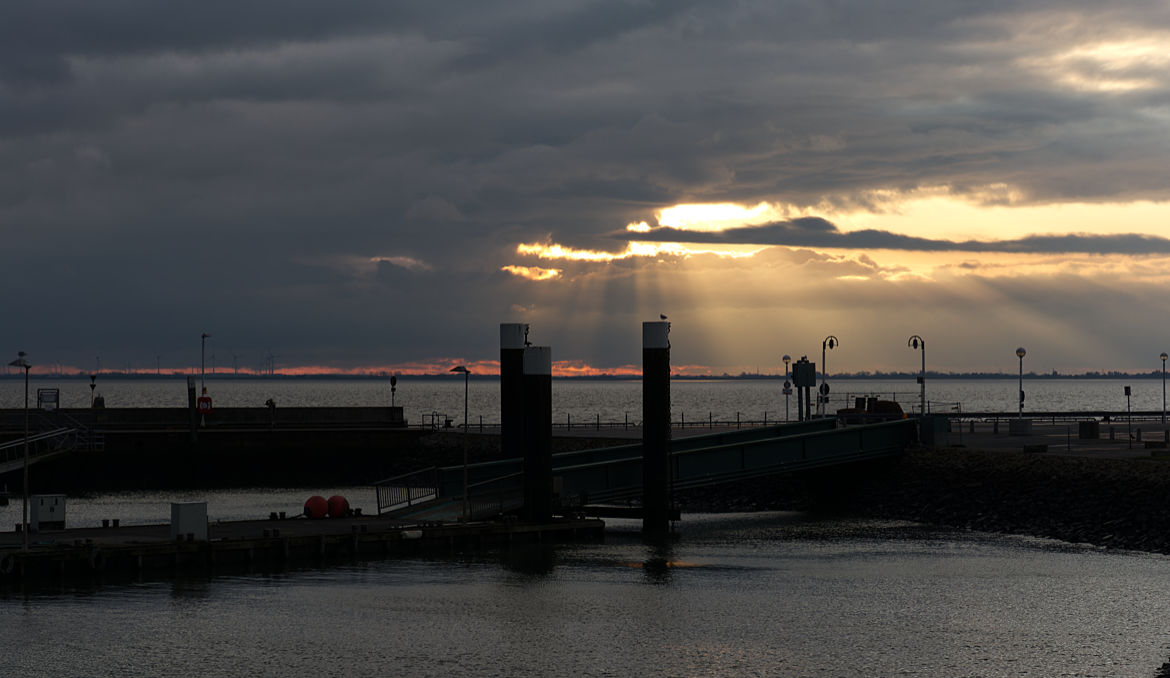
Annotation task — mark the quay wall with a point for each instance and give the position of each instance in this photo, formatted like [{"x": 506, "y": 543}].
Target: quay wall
[
  {"x": 225, "y": 458},
  {"x": 146, "y": 418}
]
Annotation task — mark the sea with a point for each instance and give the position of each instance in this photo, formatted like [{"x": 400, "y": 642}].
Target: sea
[
  {"x": 584, "y": 401},
  {"x": 751, "y": 594}
]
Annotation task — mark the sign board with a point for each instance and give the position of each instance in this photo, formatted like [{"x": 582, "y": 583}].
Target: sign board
[
  {"x": 804, "y": 373},
  {"x": 48, "y": 398},
  {"x": 203, "y": 404}
]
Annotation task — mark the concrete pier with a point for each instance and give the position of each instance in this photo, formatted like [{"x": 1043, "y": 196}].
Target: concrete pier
[{"x": 133, "y": 550}]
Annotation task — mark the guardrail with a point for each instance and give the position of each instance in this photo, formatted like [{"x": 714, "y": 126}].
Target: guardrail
[{"x": 616, "y": 472}]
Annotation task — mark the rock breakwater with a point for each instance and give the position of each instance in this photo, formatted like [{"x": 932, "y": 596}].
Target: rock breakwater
[{"x": 1115, "y": 503}]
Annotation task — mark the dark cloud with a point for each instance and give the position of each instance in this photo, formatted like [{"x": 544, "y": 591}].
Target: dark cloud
[
  {"x": 166, "y": 169},
  {"x": 818, "y": 232}
]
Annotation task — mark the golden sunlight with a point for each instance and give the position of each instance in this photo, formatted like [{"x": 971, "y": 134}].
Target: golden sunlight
[
  {"x": 636, "y": 249},
  {"x": 533, "y": 272},
  {"x": 1109, "y": 66},
  {"x": 719, "y": 216}
]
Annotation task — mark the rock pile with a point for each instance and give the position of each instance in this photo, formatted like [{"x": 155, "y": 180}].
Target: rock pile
[{"x": 1117, "y": 503}]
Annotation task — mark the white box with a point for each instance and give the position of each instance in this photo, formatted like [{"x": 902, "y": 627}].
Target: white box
[
  {"x": 46, "y": 511},
  {"x": 189, "y": 517}
]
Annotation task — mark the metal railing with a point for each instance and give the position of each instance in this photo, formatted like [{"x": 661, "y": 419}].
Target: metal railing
[{"x": 408, "y": 489}]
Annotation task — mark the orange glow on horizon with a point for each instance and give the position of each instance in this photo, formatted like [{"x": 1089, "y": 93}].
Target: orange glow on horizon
[{"x": 436, "y": 367}]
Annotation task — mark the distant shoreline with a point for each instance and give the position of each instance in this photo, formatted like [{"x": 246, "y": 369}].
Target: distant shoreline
[{"x": 881, "y": 376}]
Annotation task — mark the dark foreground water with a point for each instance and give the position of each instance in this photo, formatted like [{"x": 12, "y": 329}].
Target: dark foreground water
[{"x": 777, "y": 594}]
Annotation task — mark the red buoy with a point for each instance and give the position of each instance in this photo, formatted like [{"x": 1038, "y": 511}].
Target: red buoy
[
  {"x": 338, "y": 506},
  {"x": 316, "y": 507}
]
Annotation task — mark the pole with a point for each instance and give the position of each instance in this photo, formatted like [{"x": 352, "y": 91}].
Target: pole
[
  {"x": 922, "y": 384},
  {"x": 466, "y": 379},
  {"x": 513, "y": 338},
  {"x": 1021, "y": 394},
  {"x": 1164, "y": 356},
  {"x": 536, "y": 438},
  {"x": 787, "y": 388},
  {"x": 824, "y": 379},
  {"x": 656, "y": 465},
  {"x": 202, "y": 353},
  {"x": 24, "y": 523}
]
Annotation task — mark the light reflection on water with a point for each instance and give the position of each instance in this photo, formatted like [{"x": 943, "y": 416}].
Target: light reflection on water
[{"x": 763, "y": 594}]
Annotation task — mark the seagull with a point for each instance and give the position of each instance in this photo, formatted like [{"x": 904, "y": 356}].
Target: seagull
[{"x": 662, "y": 315}]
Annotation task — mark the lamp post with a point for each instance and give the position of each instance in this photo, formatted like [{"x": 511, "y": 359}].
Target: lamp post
[
  {"x": 917, "y": 342},
  {"x": 1020, "y": 353},
  {"x": 466, "y": 376},
  {"x": 1163, "y": 357},
  {"x": 787, "y": 385},
  {"x": 823, "y": 400},
  {"x": 21, "y": 361},
  {"x": 202, "y": 352}
]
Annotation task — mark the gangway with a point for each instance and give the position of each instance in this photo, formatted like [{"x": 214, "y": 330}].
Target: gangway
[
  {"x": 607, "y": 474},
  {"x": 57, "y": 434}
]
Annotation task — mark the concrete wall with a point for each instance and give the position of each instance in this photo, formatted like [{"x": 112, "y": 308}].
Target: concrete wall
[{"x": 12, "y": 421}]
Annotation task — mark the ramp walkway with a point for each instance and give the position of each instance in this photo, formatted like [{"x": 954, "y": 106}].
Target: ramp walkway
[
  {"x": 57, "y": 434},
  {"x": 613, "y": 473}
]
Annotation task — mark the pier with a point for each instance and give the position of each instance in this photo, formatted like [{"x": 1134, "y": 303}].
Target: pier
[{"x": 137, "y": 549}]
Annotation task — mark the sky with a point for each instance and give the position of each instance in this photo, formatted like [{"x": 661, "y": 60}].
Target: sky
[{"x": 377, "y": 186}]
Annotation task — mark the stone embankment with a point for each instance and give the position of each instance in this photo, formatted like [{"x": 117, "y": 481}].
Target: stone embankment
[{"x": 1116, "y": 503}]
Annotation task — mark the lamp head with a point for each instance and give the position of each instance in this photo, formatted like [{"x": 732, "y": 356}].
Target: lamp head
[
  {"x": 461, "y": 369},
  {"x": 1164, "y": 356},
  {"x": 1020, "y": 353},
  {"x": 787, "y": 358}
]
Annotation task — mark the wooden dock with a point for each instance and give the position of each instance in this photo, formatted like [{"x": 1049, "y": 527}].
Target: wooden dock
[{"x": 81, "y": 552}]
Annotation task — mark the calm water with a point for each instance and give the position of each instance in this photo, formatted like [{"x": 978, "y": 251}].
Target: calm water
[
  {"x": 776, "y": 594},
  {"x": 613, "y": 401},
  {"x": 773, "y": 594}
]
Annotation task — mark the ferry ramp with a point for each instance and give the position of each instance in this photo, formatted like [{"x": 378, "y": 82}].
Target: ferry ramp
[{"x": 615, "y": 473}]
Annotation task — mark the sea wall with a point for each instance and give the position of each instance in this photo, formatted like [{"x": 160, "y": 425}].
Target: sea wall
[
  {"x": 161, "y": 460},
  {"x": 1116, "y": 503}
]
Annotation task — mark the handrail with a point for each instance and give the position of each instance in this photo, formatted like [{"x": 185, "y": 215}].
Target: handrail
[{"x": 402, "y": 491}]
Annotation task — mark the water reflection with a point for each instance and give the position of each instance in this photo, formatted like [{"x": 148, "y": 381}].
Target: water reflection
[{"x": 535, "y": 560}]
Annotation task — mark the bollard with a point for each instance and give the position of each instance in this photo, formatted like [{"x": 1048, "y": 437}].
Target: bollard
[
  {"x": 117, "y": 522},
  {"x": 105, "y": 522}
]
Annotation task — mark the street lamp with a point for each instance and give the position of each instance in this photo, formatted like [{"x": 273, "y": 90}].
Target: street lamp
[
  {"x": 787, "y": 385},
  {"x": 1163, "y": 357},
  {"x": 202, "y": 352},
  {"x": 916, "y": 342},
  {"x": 466, "y": 377},
  {"x": 823, "y": 401},
  {"x": 22, "y": 362},
  {"x": 1020, "y": 353}
]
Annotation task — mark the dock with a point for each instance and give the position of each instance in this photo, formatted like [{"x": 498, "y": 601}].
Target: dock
[{"x": 137, "y": 549}]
